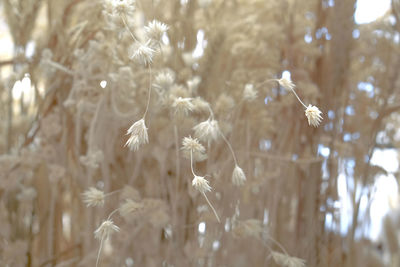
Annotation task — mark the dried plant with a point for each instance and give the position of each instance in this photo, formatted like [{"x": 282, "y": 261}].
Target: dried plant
[{"x": 169, "y": 133}]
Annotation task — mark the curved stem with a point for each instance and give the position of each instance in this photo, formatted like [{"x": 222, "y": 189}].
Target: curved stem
[
  {"x": 298, "y": 98},
  {"x": 279, "y": 245},
  {"x": 98, "y": 254},
  {"x": 126, "y": 26},
  {"x": 113, "y": 192},
  {"x": 264, "y": 82},
  {"x": 59, "y": 67},
  {"x": 149, "y": 95},
  {"x": 191, "y": 162},
  {"x": 112, "y": 213},
  {"x": 229, "y": 145},
  {"x": 211, "y": 206},
  {"x": 178, "y": 162},
  {"x": 211, "y": 112}
]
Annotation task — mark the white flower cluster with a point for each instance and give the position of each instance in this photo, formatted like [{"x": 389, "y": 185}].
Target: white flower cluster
[{"x": 138, "y": 135}]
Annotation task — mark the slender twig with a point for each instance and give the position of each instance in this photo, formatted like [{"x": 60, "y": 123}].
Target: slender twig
[
  {"x": 127, "y": 27},
  {"x": 204, "y": 194},
  {"x": 149, "y": 95}
]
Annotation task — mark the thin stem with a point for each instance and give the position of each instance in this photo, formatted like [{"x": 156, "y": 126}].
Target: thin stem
[
  {"x": 211, "y": 112},
  {"x": 112, "y": 213},
  {"x": 113, "y": 192},
  {"x": 149, "y": 95},
  {"x": 126, "y": 26},
  {"x": 223, "y": 136},
  {"x": 264, "y": 82},
  {"x": 191, "y": 162},
  {"x": 98, "y": 254},
  {"x": 298, "y": 98},
  {"x": 178, "y": 162},
  {"x": 279, "y": 245},
  {"x": 229, "y": 145},
  {"x": 59, "y": 67},
  {"x": 211, "y": 206}
]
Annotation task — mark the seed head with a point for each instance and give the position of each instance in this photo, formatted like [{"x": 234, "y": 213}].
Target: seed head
[
  {"x": 142, "y": 53},
  {"x": 249, "y": 92},
  {"x": 313, "y": 115},
  {"x": 130, "y": 206},
  {"x": 238, "y": 176},
  {"x": 93, "y": 197},
  {"x": 155, "y": 30},
  {"x": 120, "y": 7},
  {"x": 201, "y": 184},
  {"x": 105, "y": 230},
  {"x": 191, "y": 146},
  {"x": 139, "y": 136},
  {"x": 286, "y": 83},
  {"x": 164, "y": 80},
  {"x": 183, "y": 106},
  {"x": 207, "y": 131},
  {"x": 286, "y": 260}
]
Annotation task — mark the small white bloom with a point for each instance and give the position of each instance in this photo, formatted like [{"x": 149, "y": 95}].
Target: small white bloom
[
  {"x": 201, "y": 184},
  {"x": 93, "y": 197},
  {"x": 130, "y": 206},
  {"x": 287, "y": 261},
  {"x": 164, "y": 80},
  {"x": 249, "y": 92},
  {"x": 200, "y": 105},
  {"x": 183, "y": 106},
  {"x": 193, "y": 83},
  {"x": 204, "y": 3},
  {"x": 238, "y": 176},
  {"x": 142, "y": 53},
  {"x": 155, "y": 30},
  {"x": 207, "y": 131},
  {"x": 120, "y": 7},
  {"x": 286, "y": 83},
  {"x": 191, "y": 146},
  {"x": 105, "y": 230},
  {"x": 133, "y": 142},
  {"x": 139, "y": 136},
  {"x": 28, "y": 194},
  {"x": 92, "y": 159},
  {"x": 313, "y": 115}
]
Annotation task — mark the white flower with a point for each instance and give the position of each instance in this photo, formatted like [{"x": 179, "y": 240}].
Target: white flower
[
  {"x": 142, "y": 53},
  {"x": 133, "y": 142},
  {"x": 286, "y": 83},
  {"x": 93, "y": 197},
  {"x": 204, "y": 3},
  {"x": 139, "y": 136},
  {"x": 92, "y": 159},
  {"x": 193, "y": 83},
  {"x": 105, "y": 230},
  {"x": 164, "y": 80},
  {"x": 191, "y": 146},
  {"x": 183, "y": 106},
  {"x": 120, "y": 7},
  {"x": 207, "y": 131},
  {"x": 201, "y": 184},
  {"x": 313, "y": 115},
  {"x": 249, "y": 92},
  {"x": 129, "y": 207},
  {"x": 287, "y": 261},
  {"x": 238, "y": 176},
  {"x": 155, "y": 30},
  {"x": 28, "y": 194}
]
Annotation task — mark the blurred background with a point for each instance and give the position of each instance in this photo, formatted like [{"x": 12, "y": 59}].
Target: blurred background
[{"x": 69, "y": 90}]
